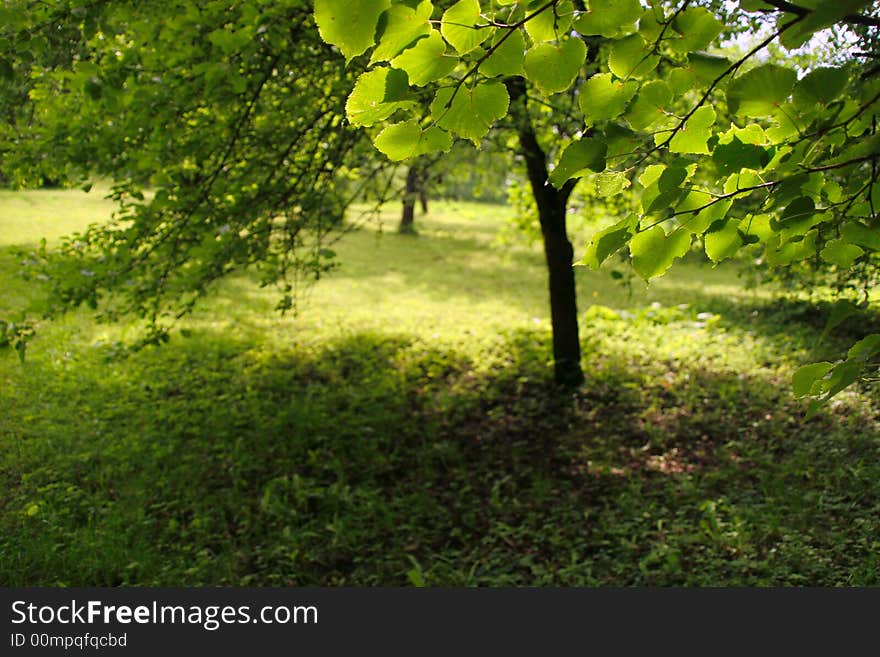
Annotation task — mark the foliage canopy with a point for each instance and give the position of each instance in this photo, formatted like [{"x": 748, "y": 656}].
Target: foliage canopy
[
  {"x": 731, "y": 150},
  {"x": 220, "y": 124}
]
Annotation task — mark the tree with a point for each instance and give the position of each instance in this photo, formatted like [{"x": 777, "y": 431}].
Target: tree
[
  {"x": 415, "y": 189},
  {"x": 220, "y": 124},
  {"x": 792, "y": 169}
]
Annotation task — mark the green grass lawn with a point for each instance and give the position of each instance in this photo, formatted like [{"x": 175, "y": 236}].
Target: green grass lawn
[{"x": 402, "y": 428}]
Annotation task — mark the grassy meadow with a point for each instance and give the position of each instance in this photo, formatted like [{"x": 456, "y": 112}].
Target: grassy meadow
[{"x": 403, "y": 429}]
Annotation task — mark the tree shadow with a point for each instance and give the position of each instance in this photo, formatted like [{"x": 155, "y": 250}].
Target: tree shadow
[{"x": 375, "y": 456}]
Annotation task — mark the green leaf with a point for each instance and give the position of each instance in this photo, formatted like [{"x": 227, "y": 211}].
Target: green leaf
[
  {"x": 694, "y": 135},
  {"x": 399, "y": 141},
  {"x": 823, "y": 13},
  {"x": 608, "y": 241},
  {"x": 723, "y": 241},
  {"x": 621, "y": 140},
  {"x": 377, "y": 94},
  {"x": 707, "y": 68},
  {"x": 651, "y": 174},
  {"x": 508, "y": 57},
  {"x": 760, "y": 91},
  {"x": 656, "y": 201},
  {"x": 735, "y": 156},
  {"x": 697, "y": 28},
  {"x": 601, "y": 97},
  {"x": 681, "y": 80},
  {"x": 844, "y": 374},
  {"x": 580, "y": 156},
  {"x": 551, "y": 23},
  {"x": 841, "y": 253},
  {"x": 650, "y": 106},
  {"x": 609, "y": 18},
  {"x": 804, "y": 379},
  {"x": 865, "y": 349},
  {"x": 631, "y": 57},
  {"x": 799, "y": 216},
  {"x": 672, "y": 177},
  {"x": 426, "y": 61},
  {"x": 471, "y": 112},
  {"x": 457, "y": 26},
  {"x": 822, "y": 85},
  {"x": 399, "y": 27},
  {"x": 554, "y": 67},
  {"x": 756, "y": 228},
  {"x": 404, "y": 140},
  {"x": 855, "y": 232},
  {"x": 653, "y": 251},
  {"x": 702, "y": 220},
  {"x": 799, "y": 248},
  {"x": 350, "y": 25},
  {"x": 842, "y": 310},
  {"x": 741, "y": 180},
  {"x": 652, "y": 23},
  {"x": 610, "y": 183}
]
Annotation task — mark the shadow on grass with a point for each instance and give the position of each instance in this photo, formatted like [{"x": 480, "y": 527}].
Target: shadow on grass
[{"x": 380, "y": 459}]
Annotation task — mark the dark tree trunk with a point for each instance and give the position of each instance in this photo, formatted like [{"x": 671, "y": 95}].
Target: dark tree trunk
[
  {"x": 423, "y": 194},
  {"x": 410, "y": 191},
  {"x": 558, "y": 252}
]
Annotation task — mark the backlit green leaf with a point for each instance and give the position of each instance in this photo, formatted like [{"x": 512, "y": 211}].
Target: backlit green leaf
[
  {"x": 707, "y": 68},
  {"x": 821, "y": 85},
  {"x": 426, "y": 61},
  {"x": 696, "y": 28},
  {"x": 399, "y": 27},
  {"x": 602, "y": 97},
  {"x": 610, "y": 183},
  {"x": 760, "y": 91},
  {"x": 472, "y": 110},
  {"x": 823, "y": 13},
  {"x": 404, "y": 140},
  {"x": 580, "y": 156},
  {"x": 377, "y": 94},
  {"x": 631, "y": 57},
  {"x": 804, "y": 379},
  {"x": 551, "y": 23},
  {"x": 653, "y": 251},
  {"x": 735, "y": 155},
  {"x": 799, "y": 248},
  {"x": 350, "y": 25},
  {"x": 840, "y": 252},
  {"x": 609, "y": 18},
  {"x": 723, "y": 241},
  {"x": 554, "y": 67},
  {"x": 608, "y": 241},
  {"x": 694, "y": 135},
  {"x": 856, "y": 232},
  {"x": 457, "y": 26},
  {"x": 507, "y": 59},
  {"x": 650, "y": 105}
]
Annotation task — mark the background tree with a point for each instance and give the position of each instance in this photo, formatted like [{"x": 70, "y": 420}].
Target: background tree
[
  {"x": 220, "y": 125},
  {"x": 415, "y": 190}
]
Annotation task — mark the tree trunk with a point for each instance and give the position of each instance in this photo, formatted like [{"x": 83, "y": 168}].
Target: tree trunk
[
  {"x": 423, "y": 194},
  {"x": 558, "y": 252},
  {"x": 559, "y": 255},
  {"x": 410, "y": 191}
]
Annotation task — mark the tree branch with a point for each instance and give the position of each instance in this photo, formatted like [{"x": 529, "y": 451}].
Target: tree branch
[{"x": 852, "y": 19}]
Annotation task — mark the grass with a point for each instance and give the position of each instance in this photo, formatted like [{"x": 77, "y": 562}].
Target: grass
[{"x": 402, "y": 429}]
